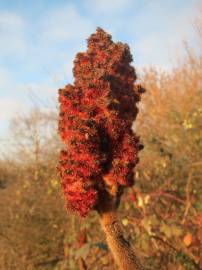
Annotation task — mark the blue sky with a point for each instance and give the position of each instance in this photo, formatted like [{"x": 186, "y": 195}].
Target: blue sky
[{"x": 40, "y": 38}]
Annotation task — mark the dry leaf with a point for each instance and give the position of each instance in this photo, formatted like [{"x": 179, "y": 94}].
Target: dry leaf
[{"x": 187, "y": 239}]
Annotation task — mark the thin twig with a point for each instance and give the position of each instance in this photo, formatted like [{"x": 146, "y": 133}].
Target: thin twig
[{"x": 188, "y": 202}]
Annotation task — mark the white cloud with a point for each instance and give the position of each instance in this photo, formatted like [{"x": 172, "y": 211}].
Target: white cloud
[
  {"x": 5, "y": 79},
  {"x": 8, "y": 20},
  {"x": 9, "y": 108},
  {"x": 108, "y": 6},
  {"x": 65, "y": 24},
  {"x": 12, "y": 33},
  {"x": 40, "y": 94},
  {"x": 161, "y": 43}
]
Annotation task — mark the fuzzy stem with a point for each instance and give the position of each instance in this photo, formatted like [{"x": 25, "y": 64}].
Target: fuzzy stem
[{"x": 122, "y": 252}]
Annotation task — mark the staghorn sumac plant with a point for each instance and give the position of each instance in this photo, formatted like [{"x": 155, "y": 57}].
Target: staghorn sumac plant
[{"x": 95, "y": 124}]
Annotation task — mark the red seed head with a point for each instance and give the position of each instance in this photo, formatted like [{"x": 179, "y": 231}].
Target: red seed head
[{"x": 96, "y": 115}]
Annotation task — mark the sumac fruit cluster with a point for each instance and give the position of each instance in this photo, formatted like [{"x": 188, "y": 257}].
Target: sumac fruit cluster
[{"x": 95, "y": 120}]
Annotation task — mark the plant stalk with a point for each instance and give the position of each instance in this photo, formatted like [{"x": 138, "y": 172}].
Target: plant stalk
[{"x": 123, "y": 254}]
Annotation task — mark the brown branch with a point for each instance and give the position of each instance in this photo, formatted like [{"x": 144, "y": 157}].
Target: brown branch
[
  {"x": 193, "y": 258},
  {"x": 82, "y": 265},
  {"x": 53, "y": 260},
  {"x": 165, "y": 242},
  {"x": 188, "y": 201},
  {"x": 10, "y": 243},
  {"x": 167, "y": 195}
]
